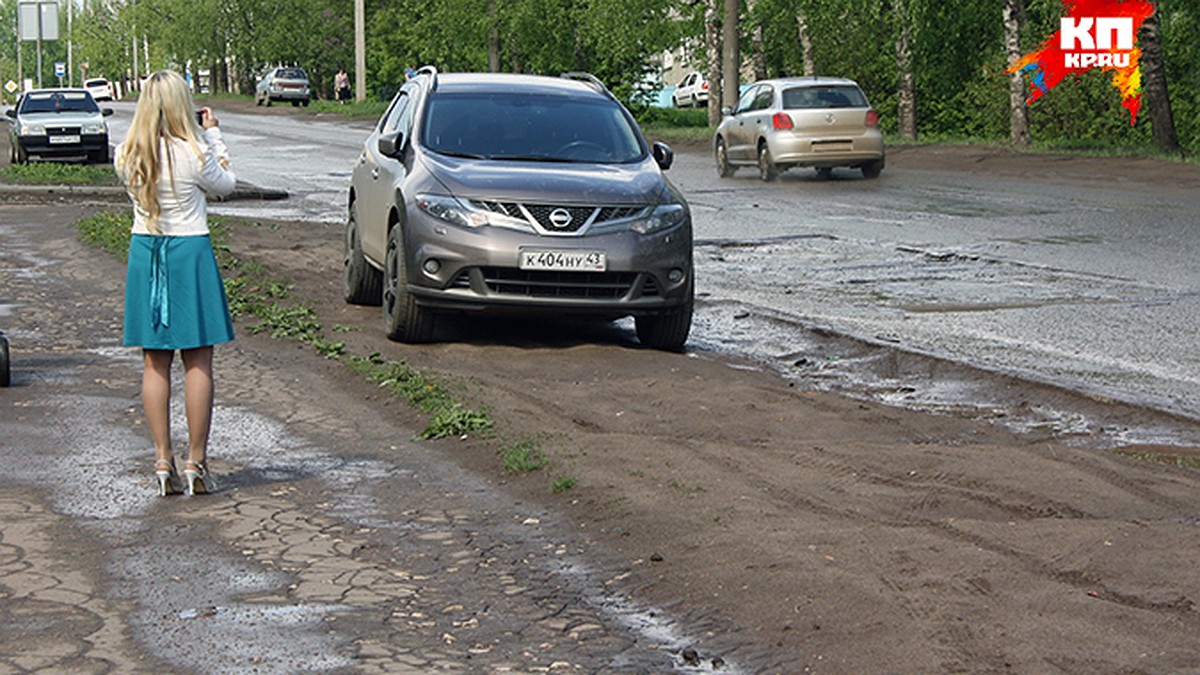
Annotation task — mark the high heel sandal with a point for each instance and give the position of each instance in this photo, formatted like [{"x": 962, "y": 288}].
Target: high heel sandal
[
  {"x": 199, "y": 480},
  {"x": 168, "y": 480}
]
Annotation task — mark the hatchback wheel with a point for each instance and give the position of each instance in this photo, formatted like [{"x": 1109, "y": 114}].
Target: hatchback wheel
[
  {"x": 669, "y": 331},
  {"x": 404, "y": 319},
  {"x": 872, "y": 169},
  {"x": 766, "y": 166},
  {"x": 5, "y": 378},
  {"x": 362, "y": 284},
  {"x": 724, "y": 168}
]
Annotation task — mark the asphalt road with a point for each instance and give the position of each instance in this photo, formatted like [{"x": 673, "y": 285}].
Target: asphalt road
[{"x": 1082, "y": 281}]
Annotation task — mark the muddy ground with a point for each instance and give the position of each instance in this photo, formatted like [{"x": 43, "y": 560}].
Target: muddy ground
[{"x": 837, "y": 535}]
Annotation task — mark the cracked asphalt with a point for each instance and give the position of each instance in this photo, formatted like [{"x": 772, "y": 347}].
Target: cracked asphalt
[{"x": 333, "y": 543}]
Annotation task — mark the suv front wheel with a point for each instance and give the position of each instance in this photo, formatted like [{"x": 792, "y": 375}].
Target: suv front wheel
[
  {"x": 668, "y": 331},
  {"x": 404, "y": 319}
]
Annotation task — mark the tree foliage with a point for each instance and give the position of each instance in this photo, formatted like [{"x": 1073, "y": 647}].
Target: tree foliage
[{"x": 956, "y": 49}]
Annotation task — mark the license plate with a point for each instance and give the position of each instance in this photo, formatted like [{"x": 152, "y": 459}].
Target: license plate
[
  {"x": 563, "y": 261},
  {"x": 59, "y": 140}
]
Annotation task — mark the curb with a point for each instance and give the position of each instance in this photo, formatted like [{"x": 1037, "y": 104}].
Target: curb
[{"x": 116, "y": 193}]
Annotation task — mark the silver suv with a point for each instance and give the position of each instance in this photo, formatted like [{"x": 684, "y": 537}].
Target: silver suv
[{"x": 517, "y": 193}]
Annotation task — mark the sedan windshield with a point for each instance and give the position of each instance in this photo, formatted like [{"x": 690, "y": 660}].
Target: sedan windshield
[
  {"x": 530, "y": 127},
  {"x": 58, "y": 102}
]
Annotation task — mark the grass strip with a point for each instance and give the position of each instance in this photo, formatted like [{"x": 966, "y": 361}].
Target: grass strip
[{"x": 252, "y": 292}]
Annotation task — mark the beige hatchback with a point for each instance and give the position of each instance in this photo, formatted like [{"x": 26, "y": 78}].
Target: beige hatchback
[{"x": 820, "y": 122}]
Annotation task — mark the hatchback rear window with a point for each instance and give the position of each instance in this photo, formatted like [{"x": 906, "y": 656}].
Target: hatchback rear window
[
  {"x": 291, "y": 74},
  {"x": 530, "y": 127},
  {"x": 59, "y": 101},
  {"x": 799, "y": 98}
]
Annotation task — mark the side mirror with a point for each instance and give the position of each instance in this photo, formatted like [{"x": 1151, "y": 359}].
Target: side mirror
[
  {"x": 106, "y": 111},
  {"x": 727, "y": 111},
  {"x": 391, "y": 144},
  {"x": 11, "y": 112},
  {"x": 663, "y": 155}
]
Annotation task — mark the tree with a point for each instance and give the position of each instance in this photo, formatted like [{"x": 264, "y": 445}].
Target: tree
[
  {"x": 1154, "y": 86},
  {"x": 1018, "y": 115}
]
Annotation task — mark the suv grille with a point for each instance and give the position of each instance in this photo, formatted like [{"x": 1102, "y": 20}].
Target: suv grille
[
  {"x": 555, "y": 219},
  {"x": 540, "y": 284}
]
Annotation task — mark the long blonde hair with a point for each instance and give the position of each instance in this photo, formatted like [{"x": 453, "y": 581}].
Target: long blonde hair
[{"x": 164, "y": 111}]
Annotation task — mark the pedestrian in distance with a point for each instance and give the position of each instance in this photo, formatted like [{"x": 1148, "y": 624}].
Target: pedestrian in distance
[
  {"x": 341, "y": 84},
  {"x": 170, "y": 161}
]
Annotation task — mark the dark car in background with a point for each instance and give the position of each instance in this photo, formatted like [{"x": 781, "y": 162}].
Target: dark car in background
[
  {"x": 819, "y": 122},
  {"x": 517, "y": 194},
  {"x": 287, "y": 84},
  {"x": 58, "y": 124}
]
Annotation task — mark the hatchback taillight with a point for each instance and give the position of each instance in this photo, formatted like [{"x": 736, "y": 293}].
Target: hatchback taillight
[
  {"x": 781, "y": 121},
  {"x": 872, "y": 118}
]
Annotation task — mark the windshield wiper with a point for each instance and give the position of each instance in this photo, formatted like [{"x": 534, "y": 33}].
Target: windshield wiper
[{"x": 463, "y": 155}]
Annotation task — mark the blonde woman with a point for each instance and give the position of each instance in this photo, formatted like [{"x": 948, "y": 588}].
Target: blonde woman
[{"x": 174, "y": 296}]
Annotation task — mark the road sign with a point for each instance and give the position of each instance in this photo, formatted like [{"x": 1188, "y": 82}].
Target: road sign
[
  {"x": 60, "y": 69},
  {"x": 10, "y": 86}
]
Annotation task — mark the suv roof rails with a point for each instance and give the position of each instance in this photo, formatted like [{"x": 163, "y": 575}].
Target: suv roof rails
[
  {"x": 589, "y": 79},
  {"x": 431, "y": 72}
]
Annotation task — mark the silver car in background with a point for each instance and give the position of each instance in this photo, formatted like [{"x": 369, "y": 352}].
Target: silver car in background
[
  {"x": 58, "y": 124},
  {"x": 517, "y": 194},
  {"x": 820, "y": 122},
  {"x": 287, "y": 84}
]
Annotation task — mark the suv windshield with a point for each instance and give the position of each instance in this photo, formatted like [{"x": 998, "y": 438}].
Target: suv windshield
[
  {"x": 58, "y": 102},
  {"x": 530, "y": 127},
  {"x": 823, "y": 97}
]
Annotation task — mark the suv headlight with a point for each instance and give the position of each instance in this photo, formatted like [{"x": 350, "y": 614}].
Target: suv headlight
[
  {"x": 462, "y": 214},
  {"x": 662, "y": 217}
]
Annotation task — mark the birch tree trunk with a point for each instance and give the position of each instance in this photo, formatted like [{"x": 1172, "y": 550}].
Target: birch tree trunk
[
  {"x": 1154, "y": 85},
  {"x": 712, "y": 50},
  {"x": 493, "y": 39},
  {"x": 1018, "y": 114},
  {"x": 906, "y": 96},
  {"x": 806, "y": 45}
]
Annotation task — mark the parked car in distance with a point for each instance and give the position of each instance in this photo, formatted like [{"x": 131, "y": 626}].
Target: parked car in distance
[
  {"x": 692, "y": 91},
  {"x": 819, "y": 122},
  {"x": 516, "y": 194},
  {"x": 57, "y": 124},
  {"x": 289, "y": 84},
  {"x": 100, "y": 88}
]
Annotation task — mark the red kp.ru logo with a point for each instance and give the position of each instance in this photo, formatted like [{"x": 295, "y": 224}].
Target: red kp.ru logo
[{"x": 1092, "y": 34}]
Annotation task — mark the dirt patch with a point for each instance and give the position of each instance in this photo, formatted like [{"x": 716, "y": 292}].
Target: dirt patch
[
  {"x": 829, "y": 534},
  {"x": 840, "y": 535}
]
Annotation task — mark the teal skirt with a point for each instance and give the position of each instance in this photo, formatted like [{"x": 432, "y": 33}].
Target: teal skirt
[{"x": 174, "y": 296}]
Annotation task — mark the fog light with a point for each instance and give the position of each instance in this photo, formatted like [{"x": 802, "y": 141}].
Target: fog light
[
  {"x": 675, "y": 276},
  {"x": 432, "y": 266}
]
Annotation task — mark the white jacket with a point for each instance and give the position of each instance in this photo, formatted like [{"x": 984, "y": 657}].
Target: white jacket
[{"x": 183, "y": 196}]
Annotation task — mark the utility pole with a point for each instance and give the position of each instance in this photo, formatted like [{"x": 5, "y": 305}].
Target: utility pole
[
  {"x": 360, "y": 51},
  {"x": 70, "y": 44},
  {"x": 731, "y": 56}
]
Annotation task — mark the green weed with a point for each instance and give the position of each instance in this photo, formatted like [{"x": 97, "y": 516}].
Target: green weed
[
  {"x": 562, "y": 483},
  {"x": 523, "y": 456}
]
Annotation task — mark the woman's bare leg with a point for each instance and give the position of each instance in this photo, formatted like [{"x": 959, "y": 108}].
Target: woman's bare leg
[
  {"x": 156, "y": 398},
  {"x": 198, "y": 399}
]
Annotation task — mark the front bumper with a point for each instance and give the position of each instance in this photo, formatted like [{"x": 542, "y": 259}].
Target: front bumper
[
  {"x": 478, "y": 271},
  {"x": 42, "y": 146}
]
